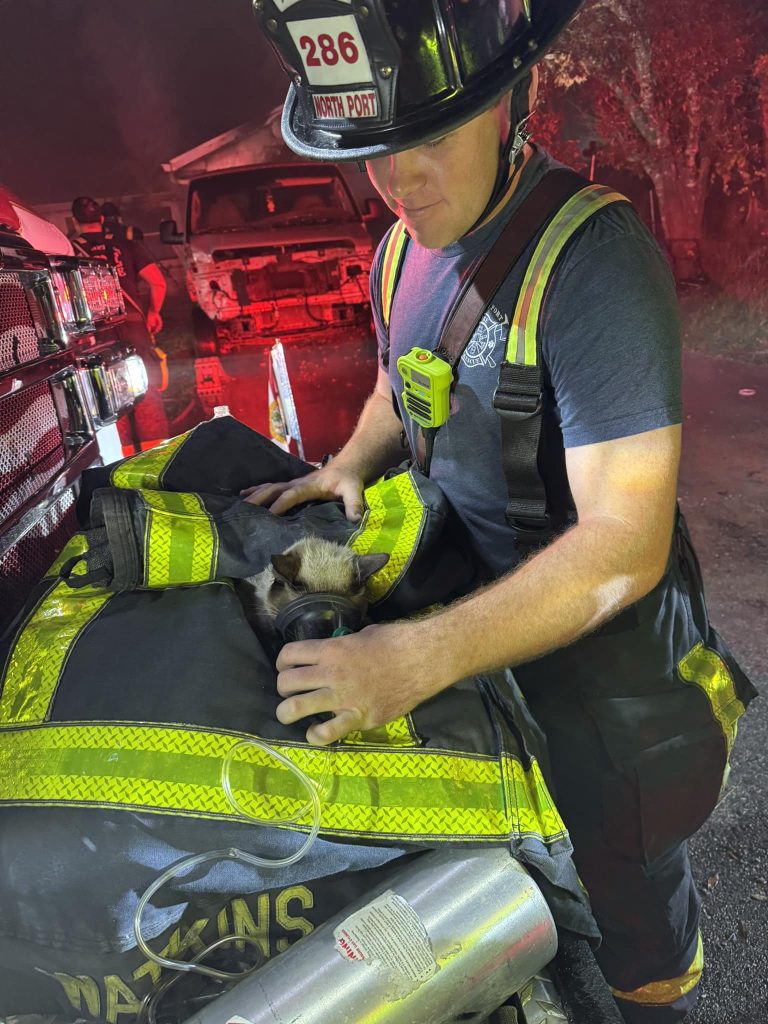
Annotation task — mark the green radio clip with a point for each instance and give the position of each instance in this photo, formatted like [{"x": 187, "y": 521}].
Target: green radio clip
[{"x": 427, "y": 381}]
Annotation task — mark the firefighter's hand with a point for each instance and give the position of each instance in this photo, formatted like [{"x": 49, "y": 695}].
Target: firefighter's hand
[
  {"x": 364, "y": 680},
  {"x": 154, "y": 322},
  {"x": 332, "y": 483}
]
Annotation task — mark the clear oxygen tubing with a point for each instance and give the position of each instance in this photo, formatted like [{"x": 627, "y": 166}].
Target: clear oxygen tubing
[
  {"x": 232, "y": 853},
  {"x": 147, "y": 1013}
]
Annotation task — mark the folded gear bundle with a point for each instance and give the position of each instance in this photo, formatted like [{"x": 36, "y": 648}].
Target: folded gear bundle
[{"x": 131, "y": 692}]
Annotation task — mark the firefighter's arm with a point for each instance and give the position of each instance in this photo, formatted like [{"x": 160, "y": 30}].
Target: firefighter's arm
[
  {"x": 625, "y": 493},
  {"x": 373, "y": 448},
  {"x": 152, "y": 275},
  {"x": 625, "y": 496}
]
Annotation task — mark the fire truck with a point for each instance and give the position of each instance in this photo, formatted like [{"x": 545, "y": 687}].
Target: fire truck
[{"x": 65, "y": 380}]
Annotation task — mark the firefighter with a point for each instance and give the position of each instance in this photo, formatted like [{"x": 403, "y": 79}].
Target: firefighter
[
  {"x": 133, "y": 262},
  {"x": 112, "y": 222},
  {"x": 560, "y": 455}
]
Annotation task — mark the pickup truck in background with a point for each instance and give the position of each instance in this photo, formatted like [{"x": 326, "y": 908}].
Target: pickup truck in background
[{"x": 274, "y": 250}]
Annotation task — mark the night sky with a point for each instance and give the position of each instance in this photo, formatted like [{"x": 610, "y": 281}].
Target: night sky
[{"x": 96, "y": 94}]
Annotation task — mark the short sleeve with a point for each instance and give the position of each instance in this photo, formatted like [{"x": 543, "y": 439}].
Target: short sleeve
[
  {"x": 140, "y": 254},
  {"x": 611, "y": 334}
]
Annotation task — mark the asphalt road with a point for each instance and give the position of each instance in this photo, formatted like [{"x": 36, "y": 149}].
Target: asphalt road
[{"x": 724, "y": 494}]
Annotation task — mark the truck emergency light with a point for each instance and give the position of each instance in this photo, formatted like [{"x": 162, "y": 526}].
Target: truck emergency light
[
  {"x": 101, "y": 292},
  {"x": 63, "y": 309},
  {"x": 116, "y": 384},
  {"x": 133, "y": 371},
  {"x": 126, "y": 381},
  {"x": 86, "y": 295}
]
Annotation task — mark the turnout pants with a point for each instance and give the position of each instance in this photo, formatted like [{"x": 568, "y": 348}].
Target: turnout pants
[{"x": 640, "y": 718}]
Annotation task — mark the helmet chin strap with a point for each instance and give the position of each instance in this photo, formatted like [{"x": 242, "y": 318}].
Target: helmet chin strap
[{"x": 512, "y": 151}]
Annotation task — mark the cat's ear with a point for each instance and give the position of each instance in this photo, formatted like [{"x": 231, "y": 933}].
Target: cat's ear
[
  {"x": 367, "y": 565},
  {"x": 287, "y": 566}
]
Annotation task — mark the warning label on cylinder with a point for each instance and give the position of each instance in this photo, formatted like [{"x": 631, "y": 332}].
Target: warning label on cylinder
[{"x": 389, "y": 936}]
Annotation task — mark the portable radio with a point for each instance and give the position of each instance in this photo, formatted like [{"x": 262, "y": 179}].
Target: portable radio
[{"x": 427, "y": 383}]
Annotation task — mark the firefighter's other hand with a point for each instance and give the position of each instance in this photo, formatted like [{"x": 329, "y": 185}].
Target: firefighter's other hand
[
  {"x": 364, "y": 680},
  {"x": 154, "y": 322},
  {"x": 333, "y": 483}
]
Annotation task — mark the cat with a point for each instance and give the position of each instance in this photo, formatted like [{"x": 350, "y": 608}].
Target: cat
[{"x": 310, "y": 566}]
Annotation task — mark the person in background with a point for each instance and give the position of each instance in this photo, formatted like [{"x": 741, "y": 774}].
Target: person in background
[
  {"x": 133, "y": 262},
  {"x": 112, "y": 223}
]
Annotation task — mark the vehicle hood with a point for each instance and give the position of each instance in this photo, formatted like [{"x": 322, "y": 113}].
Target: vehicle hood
[
  {"x": 39, "y": 232},
  {"x": 324, "y": 235}
]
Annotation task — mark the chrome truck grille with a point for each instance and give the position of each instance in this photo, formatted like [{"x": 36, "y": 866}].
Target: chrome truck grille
[
  {"x": 32, "y": 448},
  {"x": 28, "y": 560},
  {"x": 22, "y": 324}
]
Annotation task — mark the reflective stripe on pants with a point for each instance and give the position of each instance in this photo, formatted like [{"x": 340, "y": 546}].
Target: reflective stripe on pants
[{"x": 667, "y": 1000}]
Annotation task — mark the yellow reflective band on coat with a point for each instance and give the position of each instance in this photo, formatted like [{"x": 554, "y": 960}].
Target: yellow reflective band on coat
[
  {"x": 706, "y": 669},
  {"x": 42, "y": 648},
  {"x": 399, "y": 733},
  {"x": 76, "y": 545},
  {"x": 393, "y": 522},
  {"x": 411, "y": 793},
  {"x": 521, "y": 341},
  {"x": 390, "y": 268},
  {"x": 147, "y": 469},
  {"x": 663, "y": 993},
  {"x": 180, "y": 540}
]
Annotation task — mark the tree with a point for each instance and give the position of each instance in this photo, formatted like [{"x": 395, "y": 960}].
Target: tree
[
  {"x": 666, "y": 82},
  {"x": 546, "y": 123},
  {"x": 760, "y": 71}
]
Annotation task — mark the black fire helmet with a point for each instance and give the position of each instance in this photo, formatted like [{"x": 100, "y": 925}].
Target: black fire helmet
[{"x": 373, "y": 77}]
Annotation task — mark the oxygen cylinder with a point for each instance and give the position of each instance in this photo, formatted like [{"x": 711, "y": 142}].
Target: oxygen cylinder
[{"x": 447, "y": 938}]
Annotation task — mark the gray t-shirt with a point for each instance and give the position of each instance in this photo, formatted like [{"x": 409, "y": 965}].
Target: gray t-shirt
[{"x": 610, "y": 345}]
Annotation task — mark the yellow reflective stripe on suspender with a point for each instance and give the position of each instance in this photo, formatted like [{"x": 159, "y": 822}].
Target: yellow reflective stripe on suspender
[
  {"x": 180, "y": 540},
  {"x": 411, "y": 793},
  {"x": 663, "y": 993},
  {"x": 393, "y": 522},
  {"x": 146, "y": 470},
  {"x": 521, "y": 341},
  {"x": 390, "y": 265},
  {"x": 42, "y": 647},
  {"x": 706, "y": 669}
]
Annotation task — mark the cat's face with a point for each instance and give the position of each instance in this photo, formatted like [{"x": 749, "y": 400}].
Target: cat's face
[{"x": 312, "y": 569}]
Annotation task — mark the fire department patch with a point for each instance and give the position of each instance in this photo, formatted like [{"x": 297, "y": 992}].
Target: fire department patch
[{"x": 491, "y": 332}]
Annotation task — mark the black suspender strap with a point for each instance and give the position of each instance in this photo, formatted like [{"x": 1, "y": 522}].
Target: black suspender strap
[
  {"x": 534, "y": 514},
  {"x": 518, "y": 402},
  {"x": 554, "y": 189}
]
